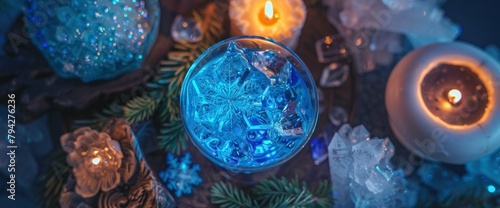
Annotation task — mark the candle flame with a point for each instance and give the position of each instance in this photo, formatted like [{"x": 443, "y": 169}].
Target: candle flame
[
  {"x": 454, "y": 96},
  {"x": 96, "y": 160},
  {"x": 269, "y": 10}
]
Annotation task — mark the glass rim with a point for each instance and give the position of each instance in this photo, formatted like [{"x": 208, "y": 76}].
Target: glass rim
[{"x": 286, "y": 158}]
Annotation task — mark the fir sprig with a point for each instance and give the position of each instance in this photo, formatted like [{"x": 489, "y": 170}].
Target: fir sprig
[
  {"x": 227, "y": 196},
  {"x": 274, "y": 192},
  {"x": 139, "y": 109}
]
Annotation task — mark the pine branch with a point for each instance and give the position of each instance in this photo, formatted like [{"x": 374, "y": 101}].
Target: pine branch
[
  {"x": 322, "y": 194},
  {"x": 283, "y": 193},
  {"x": 172, "y": 134},
  {"x": 173, "y": 137},
  {"x": 274, "y": 193},
  {"x": 228, "y": 196},
  {"x": 139, "y": 109}
]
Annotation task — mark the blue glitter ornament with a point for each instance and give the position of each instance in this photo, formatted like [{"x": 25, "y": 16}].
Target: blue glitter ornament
[
  {"x": 90, "y": 39},
  {"x": 180, "y": 176}
]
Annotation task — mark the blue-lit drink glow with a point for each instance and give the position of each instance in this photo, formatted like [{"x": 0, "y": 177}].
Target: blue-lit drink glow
[{"x": 249, "y": 109}]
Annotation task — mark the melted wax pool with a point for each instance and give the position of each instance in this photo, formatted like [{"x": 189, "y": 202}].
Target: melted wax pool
[{"x": 248, "y": 109}]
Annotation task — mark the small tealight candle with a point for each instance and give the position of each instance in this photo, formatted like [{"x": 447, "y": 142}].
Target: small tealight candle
[
  {"x": 441, "y": 100},
  {"x": 279, "y": 20}
]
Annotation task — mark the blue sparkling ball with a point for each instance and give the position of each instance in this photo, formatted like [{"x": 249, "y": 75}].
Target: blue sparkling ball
[{"x": 93, "y": 40}]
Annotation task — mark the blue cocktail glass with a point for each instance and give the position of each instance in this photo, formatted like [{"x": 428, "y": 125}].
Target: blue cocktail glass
[{"x": 249, "y": 104}]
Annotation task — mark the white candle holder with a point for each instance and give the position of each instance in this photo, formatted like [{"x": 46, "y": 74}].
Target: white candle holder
[
  {"x": 428, "y": 132},
  {"x": 244, "y": 15}
]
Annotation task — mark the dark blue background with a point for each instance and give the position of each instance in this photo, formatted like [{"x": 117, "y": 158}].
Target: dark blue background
[{"x": 479, "y": 19}]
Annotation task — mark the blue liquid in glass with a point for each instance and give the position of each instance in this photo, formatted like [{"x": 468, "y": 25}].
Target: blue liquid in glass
[{"x": 248, "y": 108}]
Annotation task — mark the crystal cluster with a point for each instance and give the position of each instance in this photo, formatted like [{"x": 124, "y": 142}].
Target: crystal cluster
[
  {"x": 422, "y": 21},
  {"x": 361, "y": 170},
  {"x": 90, "y": 39},
  {"x": 249, "y": 108},
  {"x": 180, "y": 175},
  {"x": 374, "y": 28}
]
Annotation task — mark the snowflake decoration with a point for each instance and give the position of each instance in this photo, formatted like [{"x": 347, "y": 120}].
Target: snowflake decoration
[{"x": 179, "y": 176}]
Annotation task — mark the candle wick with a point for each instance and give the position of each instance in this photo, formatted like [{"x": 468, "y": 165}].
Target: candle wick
[
  {"x": 454, "y": 96},
  {"x": 269, "y": 10}
]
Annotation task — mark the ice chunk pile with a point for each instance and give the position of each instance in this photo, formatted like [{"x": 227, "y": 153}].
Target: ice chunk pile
[{"x": 361, "y": 170}]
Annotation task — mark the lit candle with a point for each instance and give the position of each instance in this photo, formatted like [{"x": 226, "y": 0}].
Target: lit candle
[
  {"x": 279, "y": 20},
  {"x": 441, "y": 100}
]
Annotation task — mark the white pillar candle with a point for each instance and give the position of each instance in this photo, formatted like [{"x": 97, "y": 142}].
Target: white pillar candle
[
  {"x": 281, "y": 20},
  {"x": 442, "y": 100}
]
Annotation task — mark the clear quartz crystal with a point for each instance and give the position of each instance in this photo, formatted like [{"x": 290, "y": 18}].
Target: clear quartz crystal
[
  {"x": 423, "y": 22},
  {"x": 340, "y": 161},
  {"x": 360, "y": 168},
  {"x": 186, "y": 30}
]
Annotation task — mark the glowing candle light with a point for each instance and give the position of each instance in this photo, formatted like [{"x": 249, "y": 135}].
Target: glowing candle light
[
  {"x": 268, "y": 15},
  {"x": 442, "y": 102},
  {"x": 96, "y": 160},
  {"x": 268, "y": 9},
  {"x": 454, "y": 96},
  {"x": 279, "y": 20}
]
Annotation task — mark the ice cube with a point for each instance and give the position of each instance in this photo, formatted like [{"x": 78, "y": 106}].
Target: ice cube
[
  {"x": 277, "y": 97},
  {"x": 232, "y": 65},
  {"x": 258, "y": 118},
  {"x": 268, "y": 62},
  {"x": 290, "y": 125}
]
